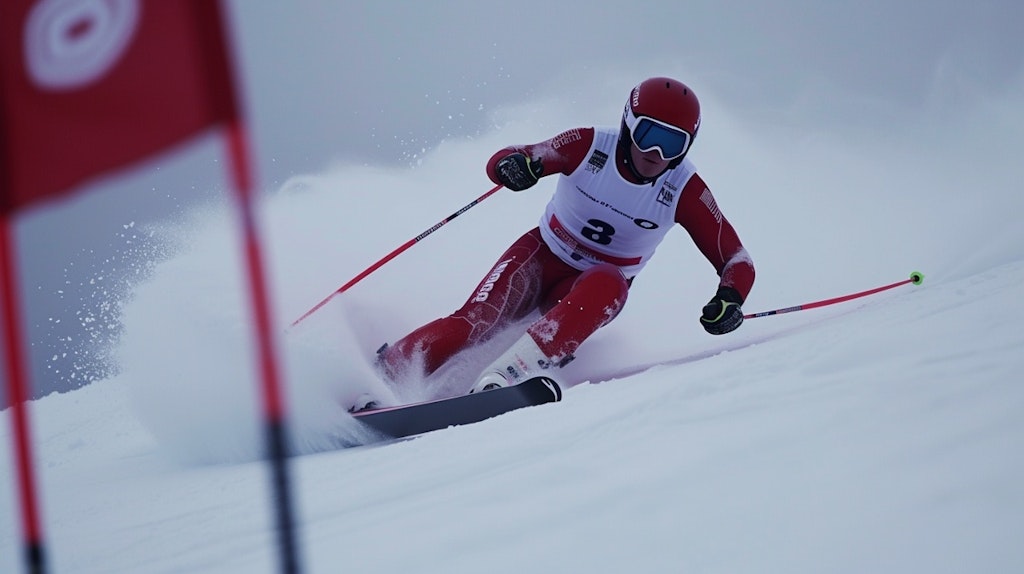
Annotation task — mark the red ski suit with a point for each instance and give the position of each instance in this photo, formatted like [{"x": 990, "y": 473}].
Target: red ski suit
[{"x": 575, "y": 285}]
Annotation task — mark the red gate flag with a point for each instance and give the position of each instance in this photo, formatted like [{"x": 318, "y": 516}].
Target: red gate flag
[
  {"x": 86, "y": 87},
  {"x": 90, "y": 86}
]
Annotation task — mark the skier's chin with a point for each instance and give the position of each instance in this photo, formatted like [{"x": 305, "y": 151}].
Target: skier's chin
[{"x": 650, "y": 169}]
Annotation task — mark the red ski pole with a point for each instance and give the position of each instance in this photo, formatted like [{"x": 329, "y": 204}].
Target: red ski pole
[
  {"x": 916, "y": 278},
  {"x": 395, "y": 253}
]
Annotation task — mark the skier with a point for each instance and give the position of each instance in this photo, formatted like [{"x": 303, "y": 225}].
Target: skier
[{"x": 618, "y": 194}]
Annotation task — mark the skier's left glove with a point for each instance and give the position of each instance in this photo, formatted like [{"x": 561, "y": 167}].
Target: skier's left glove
[
  {"x": 723, "y": 313},
  {"x": 518, "y": 172}
]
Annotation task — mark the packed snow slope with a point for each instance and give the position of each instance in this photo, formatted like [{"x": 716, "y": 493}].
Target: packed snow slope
[{"x": 879, "y": 435}]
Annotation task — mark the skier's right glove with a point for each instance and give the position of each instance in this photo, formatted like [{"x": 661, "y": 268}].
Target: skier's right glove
[
  {"x": 722, "y": 313},
  {"x": 518, "y": 172}
]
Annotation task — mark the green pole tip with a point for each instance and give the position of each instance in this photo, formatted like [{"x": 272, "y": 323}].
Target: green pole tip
[{"x": 917, "y": 277}]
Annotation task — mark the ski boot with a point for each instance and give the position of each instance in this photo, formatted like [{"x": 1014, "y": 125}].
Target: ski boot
[{"x": 522, "y": 361}]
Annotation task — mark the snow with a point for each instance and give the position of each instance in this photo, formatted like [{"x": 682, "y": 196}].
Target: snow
[{"x": 879, "y": 435}]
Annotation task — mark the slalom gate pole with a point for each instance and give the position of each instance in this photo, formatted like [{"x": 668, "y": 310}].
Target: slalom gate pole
[
  {"x": 916, "y": 278},
  {"x": 274, "y": 410},
  {"x": 394, "y": 254},
  {"x": 18, "y": 394}
]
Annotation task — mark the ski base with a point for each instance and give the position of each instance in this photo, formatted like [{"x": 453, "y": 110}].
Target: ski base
[{"x": 418, "y": 418}]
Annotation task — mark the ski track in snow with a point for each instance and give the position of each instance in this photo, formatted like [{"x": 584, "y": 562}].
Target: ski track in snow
[{"x": 788, "y": 450}]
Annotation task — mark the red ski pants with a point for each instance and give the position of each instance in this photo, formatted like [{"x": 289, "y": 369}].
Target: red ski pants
[{"x": 527, "y": 277}]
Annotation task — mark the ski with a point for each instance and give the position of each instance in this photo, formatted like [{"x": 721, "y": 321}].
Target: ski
[{"x": 418, "y": 418}]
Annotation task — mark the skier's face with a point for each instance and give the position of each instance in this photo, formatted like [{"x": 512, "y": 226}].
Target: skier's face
[{"x": 648, "y": 164}]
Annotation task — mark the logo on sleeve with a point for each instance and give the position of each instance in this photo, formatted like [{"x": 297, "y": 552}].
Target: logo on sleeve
[
  {"x": 709, "y": 201},
  {"x": 566, "y": 137}
]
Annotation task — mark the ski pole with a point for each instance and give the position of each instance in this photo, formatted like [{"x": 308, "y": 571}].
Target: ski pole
[
  {"x": 916, "y": 278},
  {"x": 395, "y": 253}
]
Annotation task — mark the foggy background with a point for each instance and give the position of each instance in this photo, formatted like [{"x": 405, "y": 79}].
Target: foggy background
[{"x": 383, "y": 83}]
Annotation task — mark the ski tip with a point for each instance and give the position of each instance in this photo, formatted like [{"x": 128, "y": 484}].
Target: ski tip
[
  {"x": 916, "y": 277},
  {"x": 553, "y": 386}
]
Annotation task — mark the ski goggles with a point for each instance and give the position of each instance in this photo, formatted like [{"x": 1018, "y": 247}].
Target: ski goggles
[{"x": 648, "y": 133}]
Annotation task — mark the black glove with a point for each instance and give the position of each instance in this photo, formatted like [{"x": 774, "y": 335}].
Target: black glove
[
  {"x": 722, "y": 313},
  {"x": 518, "y": 172}
]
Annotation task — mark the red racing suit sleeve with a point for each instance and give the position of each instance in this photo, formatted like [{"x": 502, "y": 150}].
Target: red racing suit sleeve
[
  {"x": 714, "y": 236},
  {"x": 560, "y": 154}
]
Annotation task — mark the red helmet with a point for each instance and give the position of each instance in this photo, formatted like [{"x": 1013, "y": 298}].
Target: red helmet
[{"x": 661, "y": 114}]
